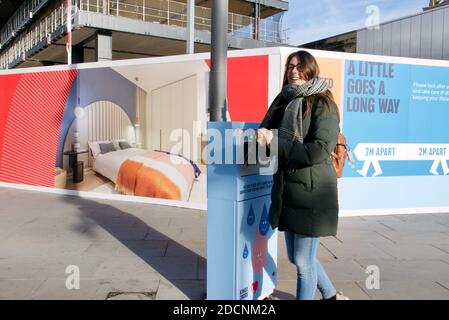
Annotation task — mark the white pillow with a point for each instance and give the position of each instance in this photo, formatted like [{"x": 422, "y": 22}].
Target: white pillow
[
  {"x": 116, "y": 143},
  {"x": 95, "y": 147}
]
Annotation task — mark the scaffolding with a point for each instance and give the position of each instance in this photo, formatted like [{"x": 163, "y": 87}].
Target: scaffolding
[{"x": 166, "y": 12}]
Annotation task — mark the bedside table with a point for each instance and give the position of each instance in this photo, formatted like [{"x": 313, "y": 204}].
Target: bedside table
[{"x": 76, "y": 166}]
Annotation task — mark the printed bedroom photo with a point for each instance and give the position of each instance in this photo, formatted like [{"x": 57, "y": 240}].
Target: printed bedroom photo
[{"x": 136, "y": 130}]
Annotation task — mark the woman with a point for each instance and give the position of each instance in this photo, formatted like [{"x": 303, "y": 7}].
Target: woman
[{"x": 304, "y": 195}]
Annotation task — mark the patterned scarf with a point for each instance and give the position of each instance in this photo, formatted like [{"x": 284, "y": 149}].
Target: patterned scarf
[{"x": 291, "y": 125}]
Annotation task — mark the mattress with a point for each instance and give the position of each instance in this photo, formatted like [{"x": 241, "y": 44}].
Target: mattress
[
  {"x": 108, "y": 164},
  {"x": 177, "y": 172}
]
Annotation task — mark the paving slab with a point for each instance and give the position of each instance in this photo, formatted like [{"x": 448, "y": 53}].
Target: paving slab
[
  {"x": 144, "y": 249},
  {"x": 443, "y": 246},
  {"x": 352, "y": 250},
  {"x": 352, "y": 290},
  {"x": 408, "y": 290},
  {"x": 192, "y": 290},
  {"x": 176, "y": 268},
  {"x": 100, "y": 248},
  {"x": 126, "y": 268},
  {"x": 413, "y": 251},
  {"x": 404, "y": 237},
  {"x": 196, "y": 233},
  {"x": 186, "y": 248},
  {"x": 323, "y": 253},
  {"x": 404, "y": 270},
  {"x": 56, "y": 289},
  {"x": 285, "y": 269},
  {"x": 362, "y": 236},
  {"x": 13, "y": 289},
  {"x": 163, "y": 233},
  {"x": 416, "y": 226},
  {"x": 43, "y": 248},
  {"x": 148, "y": 251},
  {"x": 286, "y": 290},
  {"x": 131, "y": 289},
  {"x": 202, "y": 268},
  {"x": 344, "y": 270}
]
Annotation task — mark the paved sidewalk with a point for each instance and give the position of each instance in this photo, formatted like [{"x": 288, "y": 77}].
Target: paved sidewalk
[{"x": 139, "y": 251}]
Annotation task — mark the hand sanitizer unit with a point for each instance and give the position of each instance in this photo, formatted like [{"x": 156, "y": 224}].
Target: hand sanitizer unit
[{"x": 241, "y": 245}]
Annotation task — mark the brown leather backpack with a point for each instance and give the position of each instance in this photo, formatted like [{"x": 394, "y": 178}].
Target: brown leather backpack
[{"x": 340, "y": 154}]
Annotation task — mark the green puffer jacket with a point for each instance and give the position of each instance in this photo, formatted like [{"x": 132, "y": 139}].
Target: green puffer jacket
[{"x": 305, "y": 200}]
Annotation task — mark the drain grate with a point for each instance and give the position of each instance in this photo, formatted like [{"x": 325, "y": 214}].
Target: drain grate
[{"x": 121, "y": 295}]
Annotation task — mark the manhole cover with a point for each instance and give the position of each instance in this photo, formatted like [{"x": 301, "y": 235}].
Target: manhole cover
[{"x": 131, "y": 296}]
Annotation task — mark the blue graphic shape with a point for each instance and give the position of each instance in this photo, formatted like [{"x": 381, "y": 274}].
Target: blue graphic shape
[
  {"x": 245, "y": 252},
  {"x": 264, "y": 225},
  {"x": 251, "y": 216}
]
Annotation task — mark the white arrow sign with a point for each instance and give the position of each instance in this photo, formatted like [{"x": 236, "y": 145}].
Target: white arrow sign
[{"x": 372, "y": 153}]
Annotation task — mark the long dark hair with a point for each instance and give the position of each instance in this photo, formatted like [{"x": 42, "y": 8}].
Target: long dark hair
[{"x": 310, "y": 69}]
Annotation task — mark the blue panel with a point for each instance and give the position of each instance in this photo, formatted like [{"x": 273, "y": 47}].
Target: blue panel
[
  {"x": 256, "y": 249},
  {"x": 106, "y": 84},
  {"x": 364, "y": 121},
  {"x": 393, "y": 192},
  {"x": 67, "y": 119},
  {"x": 232, "y": 181},
  {"x": 221, "y": 254},
  {"x": 401, "y": 151}
]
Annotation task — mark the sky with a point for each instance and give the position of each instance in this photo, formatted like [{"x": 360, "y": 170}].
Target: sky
[{"x": 310, "y": 20}]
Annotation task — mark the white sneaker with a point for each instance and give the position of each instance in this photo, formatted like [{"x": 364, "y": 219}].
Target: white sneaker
[{"x": 341, "y": 296}]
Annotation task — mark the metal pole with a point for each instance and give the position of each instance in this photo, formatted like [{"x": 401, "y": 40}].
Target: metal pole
[
  {"x": 190, "y": 29},
  {"x": 69, "y": 32},
  {"x": 218, "y": 74},
  {"x": 257, "y": 22}
]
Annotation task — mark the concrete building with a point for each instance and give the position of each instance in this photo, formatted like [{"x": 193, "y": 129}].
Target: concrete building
[
  {"x": 424, "y": 35},
  {"x": 33, "y": 32}
]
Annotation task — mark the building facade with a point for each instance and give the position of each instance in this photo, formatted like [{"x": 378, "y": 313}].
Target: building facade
[
  {"x": 424, "y": 35},
  {"x": 34, "y": 32}
]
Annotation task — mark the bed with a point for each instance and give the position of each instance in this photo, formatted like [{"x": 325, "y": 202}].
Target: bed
[{"x": 147, "y": 173}]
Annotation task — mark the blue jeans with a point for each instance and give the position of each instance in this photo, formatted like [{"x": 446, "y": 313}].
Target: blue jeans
[{"x": 301, "y": 251}]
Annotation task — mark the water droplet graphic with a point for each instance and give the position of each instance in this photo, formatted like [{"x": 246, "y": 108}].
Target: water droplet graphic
[
  {"x": 264, "y": 225},
  {"x": 251, "y": 216},
  {"x": 245, "y": 252}
]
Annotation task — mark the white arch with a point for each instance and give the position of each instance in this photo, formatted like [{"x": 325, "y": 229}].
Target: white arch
[{"x": 102, "y": 120}]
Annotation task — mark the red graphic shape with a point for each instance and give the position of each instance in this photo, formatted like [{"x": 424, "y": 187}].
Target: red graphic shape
[
  {"x": 254, "y": 286},
  {"x": 247, "y": 88},
  {"x": 8, "y": 85},
  {"x": 259, "y": 252},
  {"x": 31, "y": 127}
]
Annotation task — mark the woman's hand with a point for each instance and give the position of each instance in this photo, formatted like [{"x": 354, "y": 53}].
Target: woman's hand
[{"x": 264, "y": 136}]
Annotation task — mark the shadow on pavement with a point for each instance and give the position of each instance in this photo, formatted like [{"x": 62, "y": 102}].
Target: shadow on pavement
[{"x": 96, "y": 214}]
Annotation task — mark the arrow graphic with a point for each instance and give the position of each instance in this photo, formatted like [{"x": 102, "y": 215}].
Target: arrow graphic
[{"x": 372, "y": 153}]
